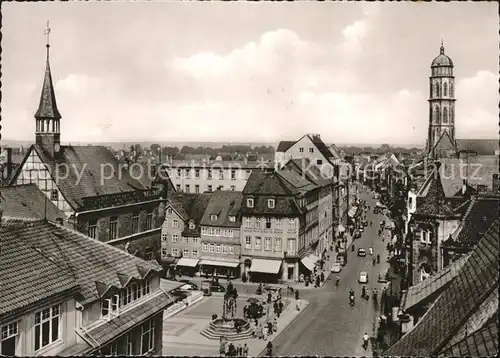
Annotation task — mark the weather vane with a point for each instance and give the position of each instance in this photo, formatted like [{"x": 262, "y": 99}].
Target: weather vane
[{"x": 47, "y": 33}]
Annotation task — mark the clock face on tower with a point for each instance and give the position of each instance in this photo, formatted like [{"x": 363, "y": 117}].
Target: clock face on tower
[{"x": 57, "y": 147}]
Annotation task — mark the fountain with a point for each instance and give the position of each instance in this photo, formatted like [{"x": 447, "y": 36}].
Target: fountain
[{"x": 229, "y": 326}]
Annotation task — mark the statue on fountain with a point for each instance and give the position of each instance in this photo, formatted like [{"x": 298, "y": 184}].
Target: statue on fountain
[{"x": 229, "y": 305}]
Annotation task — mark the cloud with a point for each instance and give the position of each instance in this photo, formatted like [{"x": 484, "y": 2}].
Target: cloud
[{"x": 476, "y": 107}]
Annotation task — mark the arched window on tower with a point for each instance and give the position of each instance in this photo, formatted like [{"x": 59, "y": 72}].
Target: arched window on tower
[
  {"x": 451, "y": 90},
  {"x": 438, "y": 90},
  {"x": 436, "y": 113},
  {"x": 42, "y": 126},
  {"x": 445, "y": 115},
  {"x": 451, "y": 115},
  {"x": 445, "y": 89}
]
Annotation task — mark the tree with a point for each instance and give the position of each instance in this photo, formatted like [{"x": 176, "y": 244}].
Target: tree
[
  {"x": 187, "y": 150},
  {"x": 169, "y": 151},
  {"x": 154, "y": 148}
]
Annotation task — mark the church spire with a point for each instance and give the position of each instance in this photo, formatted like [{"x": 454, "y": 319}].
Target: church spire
[
  {"x": 47, "y": 109},
  {"x": 441, "y": 50}
]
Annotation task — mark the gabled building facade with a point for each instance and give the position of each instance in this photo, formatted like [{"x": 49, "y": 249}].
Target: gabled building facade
[
  {"x": 65, "y": 294},
  {"x": 99, "y": 196}
]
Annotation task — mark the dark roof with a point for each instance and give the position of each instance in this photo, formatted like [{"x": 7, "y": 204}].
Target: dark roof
[
  {"x": 28, "y": 201},
  {"x": 297, "y": 181},
  {"x": 191, "y": 207},
  {"x": 266, "y": 183},
  {"x": 323, "y": 149},
  {"x": 41, "y": 258},
  {"x": 474, "y": 284},
  {"x": 223, "y": 204},
  {"x": 312, "y": 172},
  {"x": 48, "y": 106},
  {"x": 87, "y": 161},
  {"x": 442, "y": 59},
  {"x": 482, "y": 343},
  {"x": 434, "y": 203},
  {"x": 284, "y": 145},
  {"x": 480, "y": 146},
  {"x": 478, "y": 218}
]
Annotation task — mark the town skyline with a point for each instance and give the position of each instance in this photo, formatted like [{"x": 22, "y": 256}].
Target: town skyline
[{"x": 287, "y": 77}]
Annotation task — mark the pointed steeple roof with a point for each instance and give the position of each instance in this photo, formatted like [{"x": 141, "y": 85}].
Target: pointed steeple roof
[
  {"x": 48, "y": 106},
  {"x": 434, "y": 203}
]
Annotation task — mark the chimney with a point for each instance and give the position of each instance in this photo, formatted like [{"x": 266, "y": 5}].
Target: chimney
[{"x": 464, "y": 186}]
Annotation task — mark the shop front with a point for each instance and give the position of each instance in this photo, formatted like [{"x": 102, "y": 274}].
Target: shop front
[
  {"x": 219, "y": 268},
  {"x": 265, "y": 270},
  {"x": 309, "y": 266},
  {"x": 187, "y": 266}
]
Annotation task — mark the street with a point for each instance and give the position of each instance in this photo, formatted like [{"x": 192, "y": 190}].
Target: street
[{"x": 330, "y": 326}]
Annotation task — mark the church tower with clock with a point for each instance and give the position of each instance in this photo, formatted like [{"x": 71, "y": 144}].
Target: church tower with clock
[
  {"x": 441, "y": 134},
  {"x": 48, "y": 129}
]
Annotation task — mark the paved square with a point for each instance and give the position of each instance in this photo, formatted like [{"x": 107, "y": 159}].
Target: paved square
[
  {"x": 214, "y": 305},
  {"x": 175, "y": 328}
]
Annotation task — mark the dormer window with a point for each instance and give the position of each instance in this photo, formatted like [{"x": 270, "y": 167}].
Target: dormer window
[
  {"x": 192, "y": 226},
  {"x": 250, "y": 202},
  {"x": 232, "y": 218},
  {"x": 271, "y": 203},
  {"x": 213, "y": 217}
]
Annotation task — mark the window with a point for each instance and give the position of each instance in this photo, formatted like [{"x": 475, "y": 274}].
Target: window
[
  {"x": 220, "y": 187},
  {"x": 277, "y": 244},
  {"x": 149, "y": 221},
  {"x": 194, "y": 253},
  {"x": 135, "y": 223},
  {"x": 218, "y": 249},
  {"x": 247, "y": 174},
  {"x": 231, "y": 249},
  {"x": 211, "y": 248},
  {"x": 250, "y": 202},
  {"x": 268, "y": 223},
  {"x": 196, "y": 240},
  {"x": 233, "y": 187},
  {"x": 258, "y": 243},
  {"x": 248, "y": 242},
  {"x": 213, "y": 217},
  {"x": 248, "y": 223},
  {"x": 232, "y": 218},
  {"x": 204, "y": 247},
  {"x": 175, "y": 252},
  {"x": 209, "y": 188},
  {"x": 301, "y": 150},
  {"x": 110, "y": 305},
  {"x": 175, "y": 223},
  {"x": 445, "y": 115},
  {"x": 92, "y": 229},
  {"x": 197, "y": 173},
  {"x": 451, "y": 90},
  {"x": 233, "y": 174},
  {"x": 175, "y": 237},
  {"x": 209, "y": 174},
  {"x": 113, "y": 227},
  {"x": 277, "y": 224},
  {"x": 8, "y": 339},
  {"x": 113, "y": 349},
  {"x": 257, "y": 223},
  {"x": 148, "y": 337},
  {"x": 170, "y": 211},
  {"x": 130, "y": 346},
  {"x": 146, "y": 287},
  {"x": 291, "y": 246},
  {"x": 270, "y": 203},
  {"x": 185, "y": 253},
  {"x": 268, "y": 244},
  {"x": 185, "y": 240},
  {"x": 292, "y": 224},
  {"x": 164, "y": 252},
  {"x": 197, "y": 189},
  {"x": 188, "y": 173},
  {"x": 178, "y": 173},
  {"x": 54, "y": 195},
  {"x": 177, "y": 187},
  {"x": 46, "y": 326},
  {"x": 187, "y": 188},
  {"x": 311, "y": 150},
  {"x": 192, "y": 226},
  {"x": 221, "y": 174},
  {"x": 164, "y": 237},
  {"x": 225, "y": 249},
  {"x": 445, "y": 89},
  {"x": 319, "y": 161}
]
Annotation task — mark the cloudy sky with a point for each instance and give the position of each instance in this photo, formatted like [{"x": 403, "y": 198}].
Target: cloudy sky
[{"x": 353, "y": 72}]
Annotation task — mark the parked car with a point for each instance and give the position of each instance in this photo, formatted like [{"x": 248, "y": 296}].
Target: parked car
[
  {"x": 217, "y": 287},
  {"x": 357, "y": 234},
  {"x": 361, "y": 229},
  {"x": 192, "y": 284},
  {"x": 361, "y": 252},
  {"x": 363, "y": 277},
  {"x": 336, "y": 267},
  {"x": 383, "y": 277},
  {"x": 187, "y": 287},
  {"x": 178, "y": 294}
]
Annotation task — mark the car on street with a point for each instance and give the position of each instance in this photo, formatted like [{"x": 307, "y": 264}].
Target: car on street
[
  {"x": 363, "y": 277},
  {"x": 361, "y": 252},
  {"x": 187, "y": 287},
  {"x": 361, "y": 229},
  {"x": 336, "y": 267},
  {"x": 217, "y": 287},
  {"x": 190, "y": 283}
]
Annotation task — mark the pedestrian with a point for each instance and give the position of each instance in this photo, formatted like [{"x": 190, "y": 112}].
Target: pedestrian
[
  {"x": 275, "y": 325},
  {"x": 275, "y": 307},
  {"x": 240, "y": 350},
  {"x": 261, "y": 332},
  {"x": 231, "y": 350},
  {"x": 270, "y": 328},
  {"x": 245, "y": 350},
  {"x": 245, "y": 311},
  {"x": 222, "y": 347},
  {"x": 265, "y": 332},
  {"x": 280, "y": 307},
  {"x": 296, "y": 294}
]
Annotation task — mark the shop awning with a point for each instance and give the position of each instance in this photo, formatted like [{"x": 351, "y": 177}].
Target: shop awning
[
  {"x": 220, "y": 263},
  {"x": 184, "y": 261},
  {"x": 310, "y": 261},
  {"x": 340, "y": 228},
  {"x": 266, "y": 266},
  {"x": 352, "y": 211}
]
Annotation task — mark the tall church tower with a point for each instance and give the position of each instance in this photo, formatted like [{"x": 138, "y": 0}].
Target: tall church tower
[
  {"x": 48, "y": 130},
  {"x": 441, "y": 135}
]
